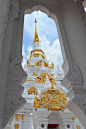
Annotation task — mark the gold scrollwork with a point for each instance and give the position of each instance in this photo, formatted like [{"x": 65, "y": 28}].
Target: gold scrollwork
[
  {"x": 32, "y": 90},
  {"x": 39, "y": 63},
  {"x": 42, "y": 78}
]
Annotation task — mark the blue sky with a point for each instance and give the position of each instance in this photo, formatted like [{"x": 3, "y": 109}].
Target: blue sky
[{"x": 47, "y": 34}]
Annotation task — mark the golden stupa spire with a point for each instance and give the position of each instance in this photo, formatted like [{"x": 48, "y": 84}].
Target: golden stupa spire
[{"x": 36, "y": 38}]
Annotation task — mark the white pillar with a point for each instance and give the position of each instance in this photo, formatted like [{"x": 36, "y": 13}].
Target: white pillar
[
  {"x": 40, "y": 118},
  {"x": 31, "y": 121}
]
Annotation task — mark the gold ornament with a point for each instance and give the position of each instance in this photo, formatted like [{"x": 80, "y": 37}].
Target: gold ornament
[
  {"x": 73, "y": 118},
  {"x": 16, "y": 126},
  {"x": 52, "y": 66},
  {"x": 42, "y": 78},
  {"x": 52, "y": 75},
  {"x": 22, "y": 116},
  {"x": 34, "y": 73},
  {"x": 11, "y": 120},
  {"x": 52, "y": 99},
  {"x": 28, "y": 63},
  {"x": 78, "y": 126},
  {"x": 17, "y": 117},
  {"x": 32, "y": 90},
  {"x": 29, "y": 80},
  {"x": 39, "y": 63}
]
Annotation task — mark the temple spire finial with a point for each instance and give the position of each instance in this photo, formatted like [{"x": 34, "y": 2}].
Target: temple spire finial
[{"x": 36, "y": 38}]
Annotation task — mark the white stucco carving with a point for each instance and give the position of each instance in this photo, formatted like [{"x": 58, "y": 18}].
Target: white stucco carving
[
  {"x": 16, "y": 72},
  {"x": 81, "y": 102},
  {"x": 14, "y": 99},
  {"x": 15, "y": 8},
  {"x": 74, "y": 74},
  {"x": 81, "y": 10},
  {"x": 3, "y": 23}
]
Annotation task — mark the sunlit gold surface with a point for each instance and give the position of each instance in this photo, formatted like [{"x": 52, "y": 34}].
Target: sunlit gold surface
[
  {"x": 16, "y": 126},
  {"x": 52, "y": 99},
  {"x": 36, "y": 53},
  {"x": 36, "y": 38},
  {"x": 42, "y": 78},
  {"x": 78, "y": 126},
  {"x": 32, "y": 90},
  {"x": 73, "y": 118}
]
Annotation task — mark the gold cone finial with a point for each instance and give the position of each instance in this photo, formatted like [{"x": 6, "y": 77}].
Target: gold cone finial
[{"x": 36, "y": 38}]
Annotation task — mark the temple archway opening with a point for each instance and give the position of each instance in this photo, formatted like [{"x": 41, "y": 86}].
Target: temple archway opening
[{"x": 64, "y": 57}]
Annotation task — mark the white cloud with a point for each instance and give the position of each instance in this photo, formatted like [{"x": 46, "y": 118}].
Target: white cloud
[{"x": 53, "y": 52}]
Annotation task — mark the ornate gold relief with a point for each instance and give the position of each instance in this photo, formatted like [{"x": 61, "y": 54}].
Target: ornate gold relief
[
  {"x": 52, "y": 99},
  {"x": 73, "y": 118},
  {"x": 78, "y": 126},
  {"x": 39, "y": 63},
  {"x": 17, "y": 117},
  {"x": 32, "y": 90},
  {"x": 42, "y": 78},
  {"x": 16, "y": 126}
]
